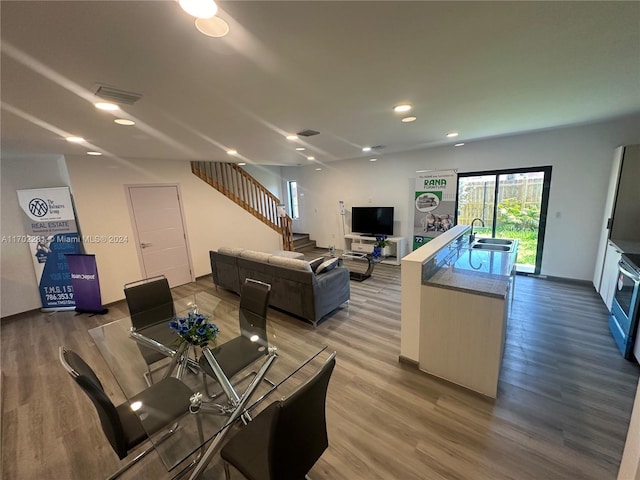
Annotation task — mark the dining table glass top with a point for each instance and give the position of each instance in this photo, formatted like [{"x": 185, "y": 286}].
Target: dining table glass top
[{"x": 208, "y": 416}]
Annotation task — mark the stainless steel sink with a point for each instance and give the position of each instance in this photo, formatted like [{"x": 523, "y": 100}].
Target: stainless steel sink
[
  {"x": 495, "y": 241},
  {"x": 492, "y": 247}
]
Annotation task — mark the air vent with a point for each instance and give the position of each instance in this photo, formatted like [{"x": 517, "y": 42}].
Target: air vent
[
  {"x": 378, "y": 147},
  {"x": 308, "y": 133},
  {"x": 116, "y": 95}
]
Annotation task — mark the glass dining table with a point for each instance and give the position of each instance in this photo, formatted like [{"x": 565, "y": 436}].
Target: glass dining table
[{"x": 224, "y": 401}]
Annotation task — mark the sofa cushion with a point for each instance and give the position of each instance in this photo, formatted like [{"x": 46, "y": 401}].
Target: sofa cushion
[
  {"x": 231, "y": 251},
  {"x": 290, "y": 263},
  {"x": 314, "y": 264},
  {"x": 255, "y": 256},
  {"x": 327, "y": 265}
]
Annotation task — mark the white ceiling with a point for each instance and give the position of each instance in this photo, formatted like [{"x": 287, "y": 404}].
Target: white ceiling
[{"x": 483, "y": 69}]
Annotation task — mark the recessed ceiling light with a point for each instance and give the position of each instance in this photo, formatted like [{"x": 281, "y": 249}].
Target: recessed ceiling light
[
  {"x": 409, "y": 119},
  {"x": 366, "y": 149},
  {"x": 75, "y": 139},
  {"x": 373, "y": 159},
  {"x": 94, "y": 153},
  {"x": 242, "y": 164},
  {"x": 300, "y": 149},
  {"x": 199, "y": 8},
  {"x": 124, "y": 121},
  {"x": 403, "y": 107},
  {"x": 232, "y": 152},
  {"x": 311, "y": 158},
  {"x": 318, "y": 168},
  {"x": 106, "y": 106},
  {"x": 292, "y": 137},
  {"x": 212, "y": 27},
  {"x": 452, "y": 134},
  {"x": 458, "y": 144}
]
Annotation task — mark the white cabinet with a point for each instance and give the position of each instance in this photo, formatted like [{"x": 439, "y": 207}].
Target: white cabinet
[
  {"x": 360, "y": 243},
  {"x": 610, "y": 274},
  {"x": 608, "y": 215}
]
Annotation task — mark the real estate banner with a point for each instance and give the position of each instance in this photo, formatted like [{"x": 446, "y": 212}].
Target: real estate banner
[
  {"x": 85, "y": 282},
  {"x": 434, "y": 201},
  {"x": 51, "y": 232}
]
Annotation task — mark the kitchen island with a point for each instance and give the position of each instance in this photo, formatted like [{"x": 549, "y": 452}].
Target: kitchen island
[{"x": 455, "y": 301}]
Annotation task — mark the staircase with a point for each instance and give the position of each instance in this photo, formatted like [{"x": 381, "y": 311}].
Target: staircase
[
  {"x": 301, "y": 241},
  {"x": 237, "y": 185}
]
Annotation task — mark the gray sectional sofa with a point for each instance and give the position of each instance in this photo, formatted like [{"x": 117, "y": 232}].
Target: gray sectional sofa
[{"x": 295, "y": 288}]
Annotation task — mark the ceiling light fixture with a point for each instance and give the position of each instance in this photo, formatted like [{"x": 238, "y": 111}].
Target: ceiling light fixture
[
  {"x": 366, "y": 149},
  {"x": 458, "y": 144},
  {"x": 212, "y": 27},
  {"x": 452, "y": 134},
  {"x": 373, "y": 159},
  {"x": 199, "y": 8},
  {"x": 124, "y": 121},
  {"x": 311, "y": 158},
  {"x": 409, "y": 119},
  {"x": 402, "y": 107},
  {"x": 318, "y": 169},
  {"x": 242, "y": 164},
  {"x": 300, "y": 149},
  {"x": 293, "y": 136},
  {"x": 111, "y": 107},
  {"x": 232, "y": 152},
  {"x": 94, "y": 153},
  {"x": 75, "y": 139}
]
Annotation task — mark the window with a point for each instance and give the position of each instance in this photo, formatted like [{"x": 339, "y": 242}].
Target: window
[{"x": 293, "y": 199}]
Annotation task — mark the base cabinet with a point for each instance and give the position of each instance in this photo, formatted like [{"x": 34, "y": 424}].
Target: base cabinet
[{"x": 609, "y": 278}]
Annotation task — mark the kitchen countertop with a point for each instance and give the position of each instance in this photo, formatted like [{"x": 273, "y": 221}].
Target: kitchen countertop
[
  {"x": 627, "y": 246},
  {"x": 480, "y": 272}
]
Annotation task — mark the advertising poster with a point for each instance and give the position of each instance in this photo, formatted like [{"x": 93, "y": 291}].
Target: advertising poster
[
  {"x": 51, "y": 233},
  {"x": 85, "y": 282},
  {"x": 434, "y": 203}
]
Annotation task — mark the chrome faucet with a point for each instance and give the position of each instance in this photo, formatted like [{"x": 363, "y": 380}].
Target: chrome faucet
[{"x": 472, "y": 237}]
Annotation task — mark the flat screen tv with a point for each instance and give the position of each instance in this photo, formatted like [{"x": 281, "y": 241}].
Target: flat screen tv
[{"x": 372, "y": 220}]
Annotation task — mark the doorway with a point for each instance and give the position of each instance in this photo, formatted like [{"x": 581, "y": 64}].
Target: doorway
[
  {"x": 158, "y": 222},
  {"x": 511, "y": 204}
]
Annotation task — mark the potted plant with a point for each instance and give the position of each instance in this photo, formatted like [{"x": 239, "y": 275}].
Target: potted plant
[{"x": 380, "y": 247}]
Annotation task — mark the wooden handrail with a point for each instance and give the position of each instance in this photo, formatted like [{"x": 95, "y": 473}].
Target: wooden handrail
[{"x": 235, "y": 183}]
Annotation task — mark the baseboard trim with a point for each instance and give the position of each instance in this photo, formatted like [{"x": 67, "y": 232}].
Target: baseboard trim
[{"x": 408, "y": 361}]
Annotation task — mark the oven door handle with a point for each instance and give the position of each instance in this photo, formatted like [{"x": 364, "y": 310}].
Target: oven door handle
[{"x": 632, "y": 276}]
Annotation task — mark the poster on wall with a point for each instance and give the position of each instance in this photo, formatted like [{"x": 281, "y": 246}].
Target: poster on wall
[
  {"x": 434, "y": 201},
  {"x": 51, "y": 233}
]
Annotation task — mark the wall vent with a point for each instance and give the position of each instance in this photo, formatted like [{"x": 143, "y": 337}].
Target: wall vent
[
  {"x": 308, "y": 133},
  {"x": 116, "y": 95}
]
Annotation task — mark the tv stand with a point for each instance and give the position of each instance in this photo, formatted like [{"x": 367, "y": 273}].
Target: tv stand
[{"x": 391, "y": 255}]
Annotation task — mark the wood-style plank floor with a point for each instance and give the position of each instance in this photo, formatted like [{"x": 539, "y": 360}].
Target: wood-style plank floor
[{"x": 562, "y": 412}]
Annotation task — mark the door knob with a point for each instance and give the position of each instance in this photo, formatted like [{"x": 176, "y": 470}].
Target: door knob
[{"x": 145, "y": 245}]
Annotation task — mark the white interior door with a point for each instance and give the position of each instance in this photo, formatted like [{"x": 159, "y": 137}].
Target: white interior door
[{"x": 159, "y": 228}]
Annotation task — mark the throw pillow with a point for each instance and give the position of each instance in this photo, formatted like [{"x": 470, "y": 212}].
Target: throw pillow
[
  {"x": 314, "y": 264},
  {"x": 328, "y": 265}
]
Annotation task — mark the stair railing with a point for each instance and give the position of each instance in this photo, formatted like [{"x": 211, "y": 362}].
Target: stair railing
[{"x": 235, "y": 183}]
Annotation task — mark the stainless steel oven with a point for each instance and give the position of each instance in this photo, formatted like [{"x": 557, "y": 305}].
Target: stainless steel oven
[{"x": 623, "y": 321}]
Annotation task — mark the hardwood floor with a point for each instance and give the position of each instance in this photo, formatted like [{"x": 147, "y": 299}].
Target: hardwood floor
[{"x": 562, "y": 412}]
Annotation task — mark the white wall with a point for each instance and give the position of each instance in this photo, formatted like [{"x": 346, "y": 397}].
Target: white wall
[
  {"x": 212, "y": 219},
  {"x": 268, "y": 176},
  {"x": 19, "y": 288},
  {"x": 580, "y": 156}
]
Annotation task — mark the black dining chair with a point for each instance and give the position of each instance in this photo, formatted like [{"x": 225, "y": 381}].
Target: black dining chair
[
  {"x": 287, "y": 438},
  {"x": 163, "y": 404},
  {"x": 150, "y": 302},
  {"x": 252, "y": 344}
]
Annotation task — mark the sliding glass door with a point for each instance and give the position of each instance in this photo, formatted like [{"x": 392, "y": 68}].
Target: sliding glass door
[{"x": 510, "y": 204}]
